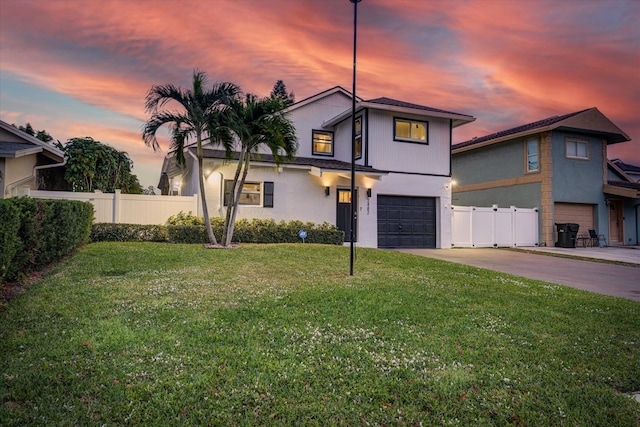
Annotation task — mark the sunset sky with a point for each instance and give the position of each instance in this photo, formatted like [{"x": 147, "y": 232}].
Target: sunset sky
[{"x": 82, "y": 67}]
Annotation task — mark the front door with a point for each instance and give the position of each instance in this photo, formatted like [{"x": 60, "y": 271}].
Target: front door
[
  {"x": 615, "y": 223},
  {"x": 343, "y": 221}
]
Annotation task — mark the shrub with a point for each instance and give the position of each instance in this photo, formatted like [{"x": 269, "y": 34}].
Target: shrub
[
  {"x": 184, "y": 228},
  {"x": 9, "y": 240},
  {"x": 48, "y": 230},
  {"x": 107, "y": 232},
  {"x": 185, "y": 219}
]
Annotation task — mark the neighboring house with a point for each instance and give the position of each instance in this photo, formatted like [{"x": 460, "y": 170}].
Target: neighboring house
[
  {"x": 558, "y": 165},
  {"x": 632, "y": 171},
  {"x": 403, "y": 172},
  {"x": 23, "y": 161}
]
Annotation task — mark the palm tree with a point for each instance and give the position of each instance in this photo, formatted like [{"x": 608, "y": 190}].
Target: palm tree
[
  {"x": 257, "y": 123},
  {"x": 199, "y": 116}
]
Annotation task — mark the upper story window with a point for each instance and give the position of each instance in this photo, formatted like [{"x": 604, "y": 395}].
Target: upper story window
[
  {"x": 322, "y": 142},
  {"x": 576, "y": 149},
  {"x": 358, "y": 152},
  {"x": 410, "y": 131},
  {"x": 532, "y": 155}
]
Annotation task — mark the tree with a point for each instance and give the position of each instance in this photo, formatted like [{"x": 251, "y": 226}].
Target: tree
[
  {"x": 280, "y": 90},
  {"x": 149, "y": 191},
  {"x": 200, "y": 117},
  {"x": 42, "y": 135},
  {"x": 92, "y": 165},
  {"x": 257, "y": 123},
  {"x": 28, "y": 129}
]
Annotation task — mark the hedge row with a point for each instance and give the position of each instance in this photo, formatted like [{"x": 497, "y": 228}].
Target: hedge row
[
  {"x": 246, "y": 231},
  {"x": 36, "y": 232}
]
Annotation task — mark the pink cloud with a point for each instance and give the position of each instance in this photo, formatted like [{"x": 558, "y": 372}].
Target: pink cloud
[{"x": 507, "y": 63}]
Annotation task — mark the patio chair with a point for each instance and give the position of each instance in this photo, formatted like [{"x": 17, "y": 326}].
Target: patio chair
[{"x": 596, "y": 238}]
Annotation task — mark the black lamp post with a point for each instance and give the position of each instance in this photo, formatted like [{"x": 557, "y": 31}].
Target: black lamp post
[{"x": 353, "y": 139}]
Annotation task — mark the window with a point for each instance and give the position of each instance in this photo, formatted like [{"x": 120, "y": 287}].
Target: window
[
  {"x": 322, "y": 142},
  {"x": 576, "y": 149},
  {"x": 410, "y": 131},
  {"x": 251, "y": 193},
  {"x": 532, "y": 155},
  {"x": 358, "y": 151}
]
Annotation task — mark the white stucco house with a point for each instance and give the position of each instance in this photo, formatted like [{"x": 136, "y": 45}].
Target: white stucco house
[{"x": 403, "y": 172}]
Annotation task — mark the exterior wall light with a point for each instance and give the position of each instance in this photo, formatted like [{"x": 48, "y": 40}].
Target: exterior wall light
[
  {"x": 368, "y": 192},
  {"x": 327, "y": 191}
]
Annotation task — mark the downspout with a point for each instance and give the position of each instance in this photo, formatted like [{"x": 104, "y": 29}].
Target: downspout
[
  {"x": 9, "y": 188},
  {"x": 221, "y": 199}
]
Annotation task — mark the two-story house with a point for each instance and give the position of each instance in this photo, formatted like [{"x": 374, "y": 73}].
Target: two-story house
[
  {"x": 558, "y": 165},
  {"x": 403, "y": 172}
]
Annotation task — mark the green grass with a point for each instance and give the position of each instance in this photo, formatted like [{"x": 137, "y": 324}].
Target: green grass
[{"x": 159, "y": 334}]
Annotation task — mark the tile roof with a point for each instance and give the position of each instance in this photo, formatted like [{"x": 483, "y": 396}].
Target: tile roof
[
  {"x": 516, "y": 130},
  {"x": 300, "y": 161}
]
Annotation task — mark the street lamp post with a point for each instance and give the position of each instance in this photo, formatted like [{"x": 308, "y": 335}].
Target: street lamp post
[{"x": 353, "y": 140}]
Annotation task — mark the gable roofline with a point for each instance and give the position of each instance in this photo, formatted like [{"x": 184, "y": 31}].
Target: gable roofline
[
  {"x": 626, "y": 166},
  {"x": 402, "y": 107},
  {"x": 320, "y": 95},
  {"x": 590, "y": 120},
  {"x": 40, "y": 145},
  {"x": 611, "y": 164}
]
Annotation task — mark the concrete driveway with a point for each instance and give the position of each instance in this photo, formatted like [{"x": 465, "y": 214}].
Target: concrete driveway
[{"x": 607, "y": 279}]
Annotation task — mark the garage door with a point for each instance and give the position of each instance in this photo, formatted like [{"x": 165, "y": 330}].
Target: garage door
[
  {"x": 577, "y": 213},
  {"x": 406, "y": 222}
]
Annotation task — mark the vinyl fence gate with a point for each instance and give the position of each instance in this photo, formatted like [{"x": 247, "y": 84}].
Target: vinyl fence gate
[{"x": 475, "y": 227}]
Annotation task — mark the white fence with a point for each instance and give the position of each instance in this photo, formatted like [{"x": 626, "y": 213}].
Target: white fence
[
  {"x": 474, "y": 227},
  {"x": 127, "y": 208}
]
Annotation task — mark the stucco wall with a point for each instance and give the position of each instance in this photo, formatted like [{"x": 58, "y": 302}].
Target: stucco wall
[
  {"x": 492, "y": 163},
  {"x": 580, "y": 181}
]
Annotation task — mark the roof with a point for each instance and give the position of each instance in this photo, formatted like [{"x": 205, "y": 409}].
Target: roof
[
  {"x": 13, "y": 150},
  {"x": 590, "y": 120},
  {"x": 402, "y": 104},
  {"x": 323, "y": 164},
  {"x": 625, "y": 166},
  {"x": 624, "y": 189},
  {"x": 25, "y": 145},
  {"x": 320, "y": 95},
  {"x": 402, "y": 107}
]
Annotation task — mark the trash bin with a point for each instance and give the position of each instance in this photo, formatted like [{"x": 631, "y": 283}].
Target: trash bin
[{"x": 567, "y": 235}]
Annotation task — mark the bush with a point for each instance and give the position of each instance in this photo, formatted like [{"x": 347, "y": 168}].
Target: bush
[
  {"x": 107, "y": 232},
  {"x": 185, "y": 219},
  {"x": 183, "y": 228},
  {"x": 187, "y": 234},
  {"x": 48, "y": 230},
  {"x": 9, "y": 240}
]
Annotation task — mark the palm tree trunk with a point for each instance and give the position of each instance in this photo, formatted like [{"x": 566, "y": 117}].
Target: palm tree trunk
[
  {"x": 203, "y": 198},
  {"x": 231, "y": 207},
  {"x": 232, "y": 222}
]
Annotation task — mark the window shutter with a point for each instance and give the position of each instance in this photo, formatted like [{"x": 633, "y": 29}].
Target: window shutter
[
  {"x": 228, "y": 191},
  {"x": 268, "y": 194}
]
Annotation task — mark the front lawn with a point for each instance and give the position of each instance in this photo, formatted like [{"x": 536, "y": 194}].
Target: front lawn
[{"x": 161, "y": 334}]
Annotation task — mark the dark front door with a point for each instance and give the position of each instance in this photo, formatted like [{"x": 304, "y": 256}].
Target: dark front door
[
  {"x": 406, "y": 222},
  {"x": 343, "y": 221}
]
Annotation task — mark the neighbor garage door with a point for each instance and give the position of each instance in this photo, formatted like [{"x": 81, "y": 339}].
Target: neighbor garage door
[
  {"x": 577, "y": 213},
  {"x": 406, "y": 222}
]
